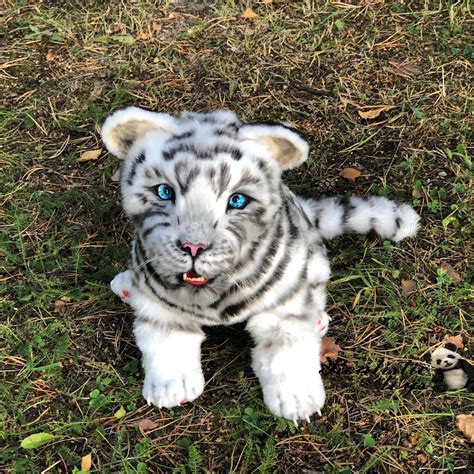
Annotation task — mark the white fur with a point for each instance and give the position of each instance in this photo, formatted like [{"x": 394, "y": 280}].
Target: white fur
[
  {"x": 377, "y": 213},
  {"x": 161, "y": 122},
  {"x": 255, "y": 133},
  {"x": 286, "y": 314},
  {"x": 286, "y": 361},
  {"x": 172, "y": 362},
  {"x": 410, "y": 222}
]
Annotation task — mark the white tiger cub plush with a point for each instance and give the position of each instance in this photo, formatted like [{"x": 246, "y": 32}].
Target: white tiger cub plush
[{"x": 220, "y": 239}]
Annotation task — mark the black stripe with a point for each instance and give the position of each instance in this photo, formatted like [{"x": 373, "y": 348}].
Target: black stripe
[
  {"x": 291, "y": 292},
  {"x": 184, "y": 182},
  {"x": 137, "y": 161},
  {"x": 142, "y": 198},
  {"x": 180, "y": 136},
  {"x": 139, "y": 219},
  {"x": 186, "y": 147},
  {"x": 279, "y": 124},
  {"x": 294, "y": 230},
  {"x": 224, "y": 178},
  {"x": 271, "y": 250},
  {"x": 148, "y": 268},
  {"x": 148, "y": 231}
]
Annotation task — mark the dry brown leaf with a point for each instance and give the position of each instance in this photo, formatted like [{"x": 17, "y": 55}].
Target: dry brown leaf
[
  {"x": 374, "y": 113},
  {"x": 422, "y": 458},
  {"x": 408, "y": 287},
  {"x": 248, "y": 13},
  {"x": 86, "y": 462},
  {"x": 329, "y": 349},
  {"x": 49, "y": 56},
  {"x": 456, "y": 340},
  {"x": 147, "y": 425},
  {"x": 156, "y": 26},
  {"x": 115, "y": 178},
  {"x": 89, "y": 155},
  {"x": 416, "y": 193},
  {"x": 96, "y": 91},
  {"x": 350, "y": 173},
  {"x": 465, "y": 423},
  {"x": 453, "y": 274},
  {"x": 407, "y": 69},
  {"x": 59, "y": 306}
]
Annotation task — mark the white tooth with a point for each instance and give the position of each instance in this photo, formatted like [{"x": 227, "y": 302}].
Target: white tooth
[
  {"x": 319, "y": 412},
  {"x": 307, "y": 419},
  {"x": 296, "y": 423}
]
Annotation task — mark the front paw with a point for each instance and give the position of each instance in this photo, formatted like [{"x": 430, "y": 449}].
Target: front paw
[
  {"x": 121, "y": 285},
  {"x": 294, "y": 397},
  {"x": 168, "y": 393}
]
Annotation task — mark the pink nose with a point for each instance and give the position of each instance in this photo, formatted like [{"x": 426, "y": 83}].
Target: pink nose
[{"x": 193, "y": 248}]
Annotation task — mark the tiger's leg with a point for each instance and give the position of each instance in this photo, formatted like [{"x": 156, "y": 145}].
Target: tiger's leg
[
  {"x": 171, "y": 350},
  {"x": 286, "y": 359},
  {"x": 172, "y": 364}
]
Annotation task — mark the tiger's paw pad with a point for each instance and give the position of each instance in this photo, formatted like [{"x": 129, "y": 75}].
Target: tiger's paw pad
[
  {"x": 171, "y": 393},
  {"x": 121, "y": 285},
  {"x": 295, "y": 399}
]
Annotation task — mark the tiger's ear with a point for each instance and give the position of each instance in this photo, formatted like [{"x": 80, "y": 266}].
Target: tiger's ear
[
  {"x": 125, "y": 126},
  {"x": 287, "y": 146}
]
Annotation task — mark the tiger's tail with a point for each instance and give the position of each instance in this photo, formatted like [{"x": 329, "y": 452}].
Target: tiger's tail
[{"x": 334, "y": 216}]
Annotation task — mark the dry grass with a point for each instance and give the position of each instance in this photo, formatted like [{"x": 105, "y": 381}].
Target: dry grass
[{"x": 68, "y": 361}]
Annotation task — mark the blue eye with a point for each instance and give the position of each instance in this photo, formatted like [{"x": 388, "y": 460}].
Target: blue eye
[
  {"x": 163, "y": 191},
  {"x": 238, "y": 201}
]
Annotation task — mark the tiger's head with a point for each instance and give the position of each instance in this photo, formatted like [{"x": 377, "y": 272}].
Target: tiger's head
[{"x": 201, "y": 189}]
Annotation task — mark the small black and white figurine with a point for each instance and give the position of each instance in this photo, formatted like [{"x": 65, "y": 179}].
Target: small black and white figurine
[{"x": 452, "y": 370}]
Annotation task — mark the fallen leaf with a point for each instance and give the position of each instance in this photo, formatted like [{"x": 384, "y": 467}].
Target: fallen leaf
[
  {"x": 329, "y": 349},
  {"x": 144, "y": 36},
  {"x": 36, "y": 440},
  {"x": 406, "y": 69},
  {"x": 97, "y": 89},
  {"x": 456, "y": 340},
  {"x": 146, "y": 424},
  {"x": 465, "y": 423},
  {"x": 115, "y": 178},
  {"x": 156, "y": 26},
  {"x": 408, "y": 287},
  {"x": 59, "y": 306},
  {"x": 454, "y": 275},
  {"x": 374, "y": 113},
  {"x": 120, "y": 413},
  {"x": 89, "y": 155},
  {"x": 248, "y": 13},
  {"x": 49, "y": 56},
  {"x": 422, "y": 458},
  {"x": 86, "y": 462},
  {"x": 350, "y": 173},
  {"x": 416, "y": 193}
]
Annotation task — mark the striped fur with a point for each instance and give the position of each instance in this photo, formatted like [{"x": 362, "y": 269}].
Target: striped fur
[{"x": 265, "y": 264}]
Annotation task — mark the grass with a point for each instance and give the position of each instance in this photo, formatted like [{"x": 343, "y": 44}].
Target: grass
[{"x": 68, "y": 362}]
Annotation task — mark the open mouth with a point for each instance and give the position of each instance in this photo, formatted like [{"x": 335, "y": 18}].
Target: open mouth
[{"x": 194, "y": 279}]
